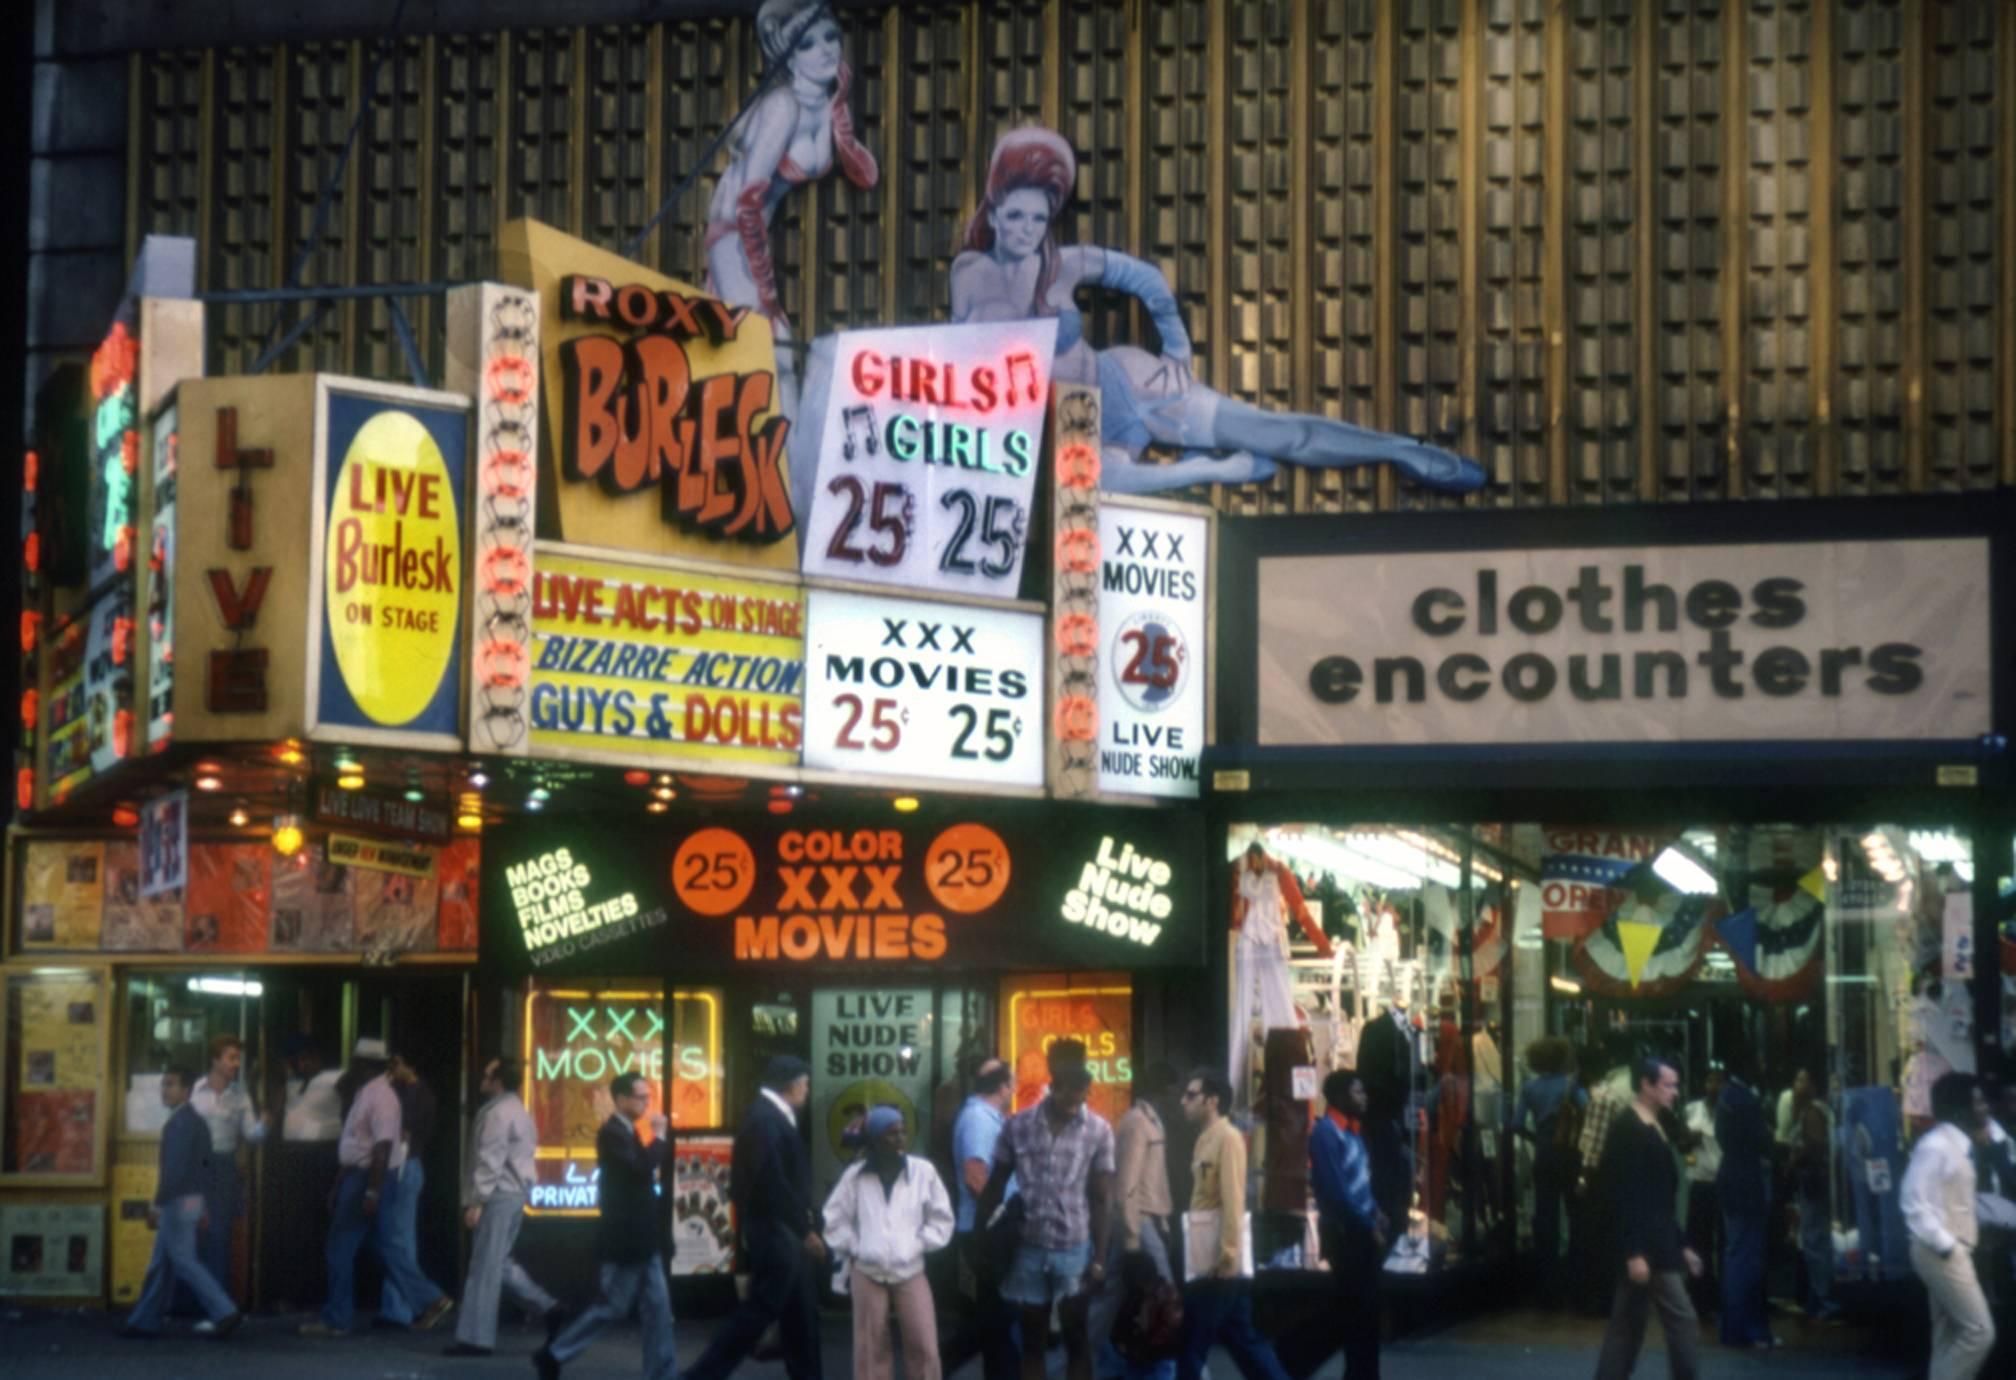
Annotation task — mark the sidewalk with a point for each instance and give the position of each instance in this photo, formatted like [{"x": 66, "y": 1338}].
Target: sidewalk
[{"x": 1505, "y": 1346}]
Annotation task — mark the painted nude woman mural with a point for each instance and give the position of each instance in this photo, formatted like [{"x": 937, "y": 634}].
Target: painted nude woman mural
[
  {"x": 1012, "y": 268},
  {"x": 794, "y": 135}
]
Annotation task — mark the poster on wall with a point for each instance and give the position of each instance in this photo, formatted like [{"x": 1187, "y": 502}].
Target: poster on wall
[
  {"x": 703, "y": 1217},
  {"x": 1037, "y": 1010},
  {"x": 62, "y": 892},
  {"x": 164, "y": 844},
  {"x": 133, "y": 923},
  {"x": 635, "y": 662},
  {"x": 899, "y": 688},
  {"x": 52, "y": 1250},
  {"x": 160, "y": 611},
  {"x": 1789, "y": 641},
  {"x": 108, "y": 679},
  {"x": 666, "y": 430},
  {"x": 1008, "y": 885},
  {"x": 314, "y": 903},
  {"x": 1154, "y": 675},
  {"x": 66, "y": 712},
  {"x": 870, "y": 1048},
  {"x": 133, "y": 1188},
  {"x": 386, "y": 572},
  {"x": 928, "y": 456}
]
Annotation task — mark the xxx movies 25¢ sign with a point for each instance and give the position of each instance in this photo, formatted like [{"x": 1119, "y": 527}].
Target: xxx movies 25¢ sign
[{"x": 904, "y": 688}]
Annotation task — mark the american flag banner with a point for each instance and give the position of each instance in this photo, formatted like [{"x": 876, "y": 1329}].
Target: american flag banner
[{"x": 1583, "y": 875}]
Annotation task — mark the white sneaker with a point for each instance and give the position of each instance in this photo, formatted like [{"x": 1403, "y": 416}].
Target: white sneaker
[{"x": 206, "y": 1328}]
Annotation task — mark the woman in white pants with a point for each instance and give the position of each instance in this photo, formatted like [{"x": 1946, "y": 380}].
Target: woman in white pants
[
  {"x": 1938, "y": 1204},
  {"x": 888, "y": 1210}
]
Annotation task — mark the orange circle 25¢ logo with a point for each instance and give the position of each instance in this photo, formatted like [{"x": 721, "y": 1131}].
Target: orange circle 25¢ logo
[
  {"x": 967, "y": 868},
  {"x": 713, "y": 872}
]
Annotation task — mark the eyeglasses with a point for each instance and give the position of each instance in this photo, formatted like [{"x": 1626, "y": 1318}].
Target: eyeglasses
[{"x": 1192, "y": 1094}]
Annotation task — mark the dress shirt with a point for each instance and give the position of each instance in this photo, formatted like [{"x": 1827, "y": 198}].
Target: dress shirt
[
  {"x": 506, "y": 1140},
  {"x": 790, "y": 1112},
  {"x": 1707, "y": 1158},
  {"x": 886, "y": 1232},
  {"x": 314, "y": 1108},
  {"x": 230, "y": 1115},
  {"x": 1938, "y": 1194},
  {"x": 1218, "y": 1184},
  {"x": 374, "y": 1117},
  {"x": 974, "y": 1136},
  {"x": 1055, "y": 1166}
]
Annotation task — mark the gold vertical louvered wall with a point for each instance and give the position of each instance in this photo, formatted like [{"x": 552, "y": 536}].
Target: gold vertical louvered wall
[{"x": 1616, "y": 250}]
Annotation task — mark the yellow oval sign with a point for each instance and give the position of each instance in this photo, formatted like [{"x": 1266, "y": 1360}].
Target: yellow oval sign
[{"x": 392, "y": 573}]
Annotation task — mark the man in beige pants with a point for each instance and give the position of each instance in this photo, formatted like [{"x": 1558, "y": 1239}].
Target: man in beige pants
[{"x": 1938, "y": 1204}]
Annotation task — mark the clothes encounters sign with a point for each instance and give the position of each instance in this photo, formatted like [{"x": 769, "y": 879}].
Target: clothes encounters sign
[
  {"x": 391, "y": 471},
  {"x": 1153, "y": 675},
  {"x": 1839, "y": 640},
  {"x": 635, "y": 662},
  {"x": 1012, "y": 886},
  {"x": 898, "y": 688},
  {"x": 927, "y": 459}
]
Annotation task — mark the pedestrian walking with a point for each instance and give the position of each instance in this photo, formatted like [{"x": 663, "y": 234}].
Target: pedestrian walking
[
  {"x": 1551, "y": 1104},
  {"x": 633, "y": 1236},
  {"x": 1218, "y": 1248},
  {"x": 1060, "y": 1152},
  {"x": 1704, "y": 1164},
  {"x": 987, "y": 1325},
  {"x": 405, "y": 1187},
  {"x": 889, "y": 1211},
  {"x": 1353, "y": 1230},
  {"x": 770, "y": 1184},
  {"x": 1809, "y": 1160},
  {"x": 174, "y": 1216},
  {"x": 1142, "y": 1204},
  {"x": 226, "y": 1107},
  {"x": 1643, "y": 1174},
  {"x": 502, "y": 1169},
  {"x": 371, "y": 1131},
  {"x": 1938, "y": 1205},
  {"x": 1743, "y": 1190}
]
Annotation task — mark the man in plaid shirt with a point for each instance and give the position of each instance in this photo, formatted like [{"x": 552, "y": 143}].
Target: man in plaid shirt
[{"x": 1060, "y": 1154}]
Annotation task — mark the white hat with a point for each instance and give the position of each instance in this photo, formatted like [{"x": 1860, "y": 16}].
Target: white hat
[{"x": 367, "y": 1048}]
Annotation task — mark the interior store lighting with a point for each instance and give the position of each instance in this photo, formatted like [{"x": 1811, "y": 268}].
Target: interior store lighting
[
  {"x": 228, "y": 987},
  {"x": 1674, "y": 867},
  {"x": 1567, "y": 986}
]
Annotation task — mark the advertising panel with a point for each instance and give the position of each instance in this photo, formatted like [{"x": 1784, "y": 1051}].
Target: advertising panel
[
  {"x": 869, "y": 1049},
  {"x": 52, "y": 1250},
  {"x": 1830, "y": 640},
  {"x": 66, "y": 743},
  {"x": 164, "y": 845},
  {"x": 650, "y": 663},
  {"x": 899, "y": 688},
  {"x": 160, "y": 585},
  {"x": 133, "y": 1188},
  {"x": 579, "y": 1037},
  {"x": 665, "y": 434},
  {"x": 928, "y": 455},
  {"x": 115, "y": 455},
  {"x": 108, "y": 679},
  {"x": 1154, "y": 575},
  {"x": 1097, "y": 1010},
  {"x": 703, "y": 1217},
  {"x": 386, "y": 578},
  {"x": 1012, "y": 885}
]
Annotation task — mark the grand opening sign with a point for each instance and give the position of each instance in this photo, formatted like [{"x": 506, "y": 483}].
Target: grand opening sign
[
  {"x": 1014, "y": 886},
  {"x": 927, "y": 459}
]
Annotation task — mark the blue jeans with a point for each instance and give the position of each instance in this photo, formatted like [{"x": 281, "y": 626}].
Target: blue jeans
[
  {"x": 347, "y": 1232},
  {"x": 223, "y": 1200},
  {"x": 1220, "y": 1313},
  {"x": 1816, "y": 1243},
  {"x": 1744, "y": 1321},
  {"x": 1040, "y": 1276},
  {"x": 624, "y": 1289},
  {"x": 398, "y": 1234},
  {"x": 175, "y": 1259}
]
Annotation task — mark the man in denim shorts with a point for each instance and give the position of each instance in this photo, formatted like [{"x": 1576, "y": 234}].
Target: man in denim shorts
[{"x": 1060, "y": 1152}]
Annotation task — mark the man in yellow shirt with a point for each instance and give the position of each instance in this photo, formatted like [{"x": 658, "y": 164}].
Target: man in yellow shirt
[{"x": 1217, "y": 1308}]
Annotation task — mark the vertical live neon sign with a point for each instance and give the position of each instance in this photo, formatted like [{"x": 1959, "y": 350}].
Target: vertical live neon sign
[{"x": 115, "y": 453}]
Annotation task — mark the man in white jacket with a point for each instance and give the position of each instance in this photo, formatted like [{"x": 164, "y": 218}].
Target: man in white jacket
[
  {"x": 493, "y": 1204},
  {"x": 887, "y": 1212},
  {"x": 1938, "y": 1206}
]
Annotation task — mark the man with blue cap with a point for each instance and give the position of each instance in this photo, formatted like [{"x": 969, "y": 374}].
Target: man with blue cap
[
  {"x": 887, "y": 1212},
  {"x": 770, "y": 1184}
]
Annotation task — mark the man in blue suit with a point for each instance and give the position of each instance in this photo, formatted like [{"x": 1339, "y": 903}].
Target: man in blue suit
[
  {"x": 1743, "y": 1183},
  {"x": 176, "y": 1213}
]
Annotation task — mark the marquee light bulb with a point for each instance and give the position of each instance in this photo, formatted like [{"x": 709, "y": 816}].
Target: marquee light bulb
[
  {"x": 239, "y": 819},
  {"x": 469, "y": 822},
  {"x": 287, "y": 835},
  {"x": 349, "y": 781},
  {"x": 478, "y": 780},
  {"x": 657, "y": 807},
  {"x": 665, "y": 793},
  {"x": 208, "y": 783},
  {"x": 905, "y": 804},
  {"x": 416, "y": 796}
]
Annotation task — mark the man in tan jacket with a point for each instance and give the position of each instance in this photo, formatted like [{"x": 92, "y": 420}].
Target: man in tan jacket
[
  {"x": 1218, "y": 1259},
  {"x": 1141, "y": 1204}
]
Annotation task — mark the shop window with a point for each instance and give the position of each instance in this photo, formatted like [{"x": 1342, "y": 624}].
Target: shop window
[
  {"x": 580, "y": 1034},
  {"x": 170, "y": 1020},
  {"x": 52, "y": 1126},
  {"x": 1096, "y": 1009},
  {"x": 870, "y": 1047}
]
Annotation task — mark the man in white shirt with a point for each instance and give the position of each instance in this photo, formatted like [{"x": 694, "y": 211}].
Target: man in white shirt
[
  {"x": 494, "y": 1195},
  {"x": 314, "y": 1106},
  {"x": 1704, "y": 1164},
  {"x": 226, "y": 1108},
  {"x": 299, "y": 1172},
  {"x": 1938, "y": 1204}
]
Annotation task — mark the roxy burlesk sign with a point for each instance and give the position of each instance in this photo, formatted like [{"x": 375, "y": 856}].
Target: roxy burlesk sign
[
  {"x": 1871, "y": 640},
  {"x": 1032, "y": 887}
]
